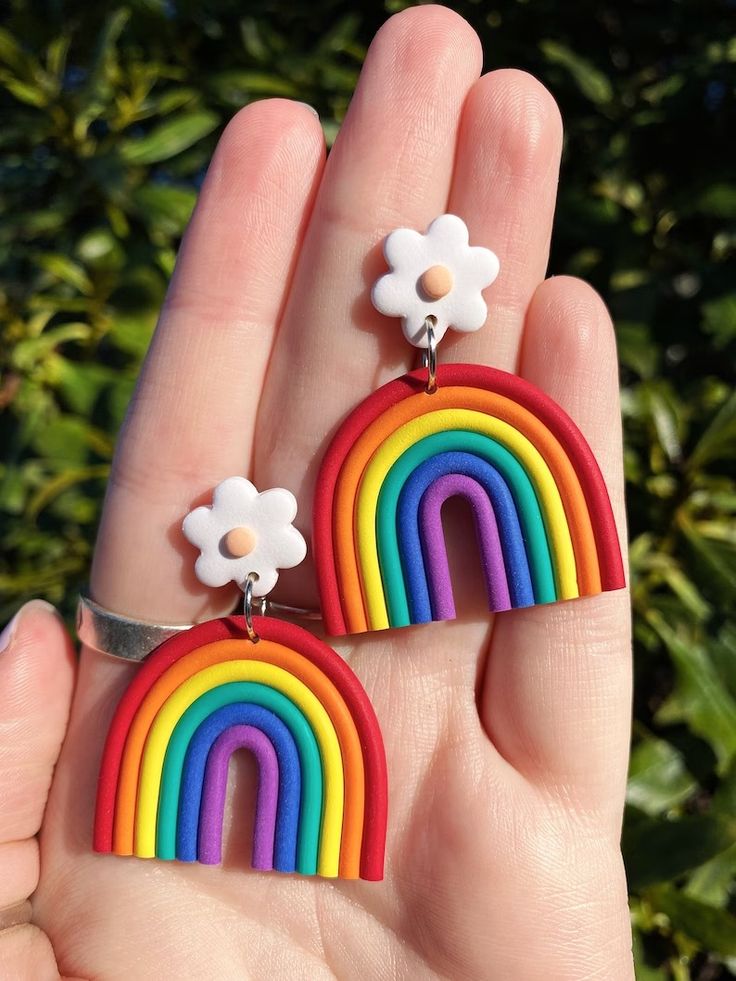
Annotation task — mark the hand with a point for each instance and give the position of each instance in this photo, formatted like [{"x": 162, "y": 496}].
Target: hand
[{"x": 506, "y": 741}]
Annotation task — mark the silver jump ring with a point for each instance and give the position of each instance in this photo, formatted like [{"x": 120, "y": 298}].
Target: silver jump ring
[
  {"x": 429, "y": 357},
  {"x": 248, "y": 606}
]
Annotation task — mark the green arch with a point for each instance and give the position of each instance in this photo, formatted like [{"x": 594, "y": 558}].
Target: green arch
[
  {"x": 312, "y": 784},
  {"x": 522, "y": 490}
]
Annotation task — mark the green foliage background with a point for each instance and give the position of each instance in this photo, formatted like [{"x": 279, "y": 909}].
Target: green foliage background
[{"x": 109, "y": 115}]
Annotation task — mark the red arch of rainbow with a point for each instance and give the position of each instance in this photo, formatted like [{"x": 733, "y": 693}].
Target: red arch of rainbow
[
  {"x": 295, "y": 638},
  {"x": 334, "y": 604}
]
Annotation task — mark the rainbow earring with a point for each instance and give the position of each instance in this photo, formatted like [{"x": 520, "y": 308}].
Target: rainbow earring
[
  {"x": 544, "y": 522},
  {"x": 246, "y": 682}
]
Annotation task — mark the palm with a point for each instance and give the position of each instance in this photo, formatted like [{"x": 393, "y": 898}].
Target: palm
[{"x": 507, "y": 742}]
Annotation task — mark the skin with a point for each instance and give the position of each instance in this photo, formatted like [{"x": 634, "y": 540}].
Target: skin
[{"x": 507, "y": 741}]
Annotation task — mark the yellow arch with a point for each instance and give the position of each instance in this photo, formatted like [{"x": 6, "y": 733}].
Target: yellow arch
[
  {"x": 152, "y": 761},
  {"x": 442, "y": 421}
]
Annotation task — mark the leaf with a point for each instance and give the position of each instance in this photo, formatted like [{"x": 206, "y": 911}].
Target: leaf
[
  {"x": 686, "y": 590},
  {"x": 718, "y": 557},
  {"x": 29, "y": 352},
  {"x": 723, "y": 652},
  {"x": 12, "y": 53},
  {"x": 636, "y": 348},
  {"x": 712, "y": 882},
  {"x": 591, "y": 82},
  {"x": 104, "y": 60},
  {"x": 141, "y": 291},
  {"x": 169, "y": 208},
  {"x": 65, "y": 269},
  {"x": 657, "y": 850},
  {"x": 100, "y": 249},
  {"x": 701, "y": 697},
  {"x": 56, "y": 55},
  {"x": 81, "y": 385},
  {"x": 658, "y": 778},
  {"x": 663, "y": 410},
  {"x": 28, "y": 92},
  {"x": 69, "y": 439},
  {"x": 719, "y": 319},
  {"x": 718, "y": 200},
  {"x": 132, "y": 334},
  {"x": 663, "y": 89},
  {"x": 712, "y": 928},
  {"x": 718, "y": 442},
  {"x": 169, "y": 138},
  {"x": 62, "y": 482},
  {"x": 239, "y": 87}
]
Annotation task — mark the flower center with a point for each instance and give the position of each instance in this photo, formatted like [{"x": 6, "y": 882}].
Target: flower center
[
  {"x": 240, "y": 542},
  {"x": 436, "y": 282}
]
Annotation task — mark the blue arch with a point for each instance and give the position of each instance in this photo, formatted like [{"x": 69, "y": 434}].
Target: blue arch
[
  {"x": 410, "y": 547},
  {"x": 195, "y": 761}
]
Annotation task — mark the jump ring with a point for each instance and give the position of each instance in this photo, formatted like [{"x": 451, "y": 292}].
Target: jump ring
[
  {"x": 429, "y": 356},
  {"x": 248, "y": 606}
]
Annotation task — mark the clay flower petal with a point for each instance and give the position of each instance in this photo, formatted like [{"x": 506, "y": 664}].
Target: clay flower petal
[
  {"x": 437, "y": 274},
  {"x": 244, "y": 532}
]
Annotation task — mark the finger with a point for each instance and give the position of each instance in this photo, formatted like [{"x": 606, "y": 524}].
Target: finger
[
  {"x": 192, "y": 419},
  {"x": 557, "y": 690},
  {"x": 391, "y": 166},
  {"x": 36, "y": 678},
  {"x": 505, "y": 186},
  {"x": 25, "y": 952}
]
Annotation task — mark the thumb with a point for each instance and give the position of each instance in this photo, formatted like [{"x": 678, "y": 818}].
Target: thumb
[{"x": 37, "y": 667}]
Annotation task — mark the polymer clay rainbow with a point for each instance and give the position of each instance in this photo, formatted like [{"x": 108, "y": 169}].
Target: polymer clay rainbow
[
  {"x": 545, "y": 526},
  {"x": 289, "y": 699}
]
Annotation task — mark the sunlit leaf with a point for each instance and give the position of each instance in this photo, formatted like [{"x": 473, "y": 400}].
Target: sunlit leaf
[
  {"x": 715, "y": 881},
  {"x": 34, "y": 349},
  {"x": 61, "y": 483},
  {"x": 718, "y": 442},
  {"x": 718, "y": 200},
  {"x": 69, "y": 440},
  {"x": 657, "y": 849},
  {"x": 658, "y": 778},
  {"x": 132, "y": 334},
  {"x": 719, "y": 319},
  {"x": 701, "y": 698},
  {"x": 712, "y": 927},
  {"x": 66, "y": 270},
  {"x": 168, "y": 138},
  {"x": 169, "y": 207},
  {"x": 591, "y": 81},
  {"x": 237, "y": 87}
]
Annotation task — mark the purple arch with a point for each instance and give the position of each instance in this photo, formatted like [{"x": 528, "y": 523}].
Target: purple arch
[
  {"x": 215, "y": 788},
  {"x": 433, "y": 538}
]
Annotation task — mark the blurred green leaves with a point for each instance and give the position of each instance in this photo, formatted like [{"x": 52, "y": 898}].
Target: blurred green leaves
[{"x": 110, "y": 114}]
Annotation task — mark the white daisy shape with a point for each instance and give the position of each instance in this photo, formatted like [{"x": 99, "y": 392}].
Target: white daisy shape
[
  {"x": 243, "y": 532},
  {"x": 437, "y": 274}
]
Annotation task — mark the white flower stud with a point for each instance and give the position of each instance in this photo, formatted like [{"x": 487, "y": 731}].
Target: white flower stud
[
  {"x": 245, "y": 532},
  {"x": 437, "y": 274}
]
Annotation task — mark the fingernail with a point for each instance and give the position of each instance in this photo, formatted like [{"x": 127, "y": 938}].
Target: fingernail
[
  {"x": 11, "y": 627},
  {"x": 311, "y": 108},
  {"x": 7, "y": 635}
]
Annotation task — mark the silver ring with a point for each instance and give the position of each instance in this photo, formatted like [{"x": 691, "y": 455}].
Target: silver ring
[
  {"x": 248, "y": 606},
  {"x": 119, "y": 636},
  {"x": 129, "y": 639},
  {"x": 429, "y": 356}
]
